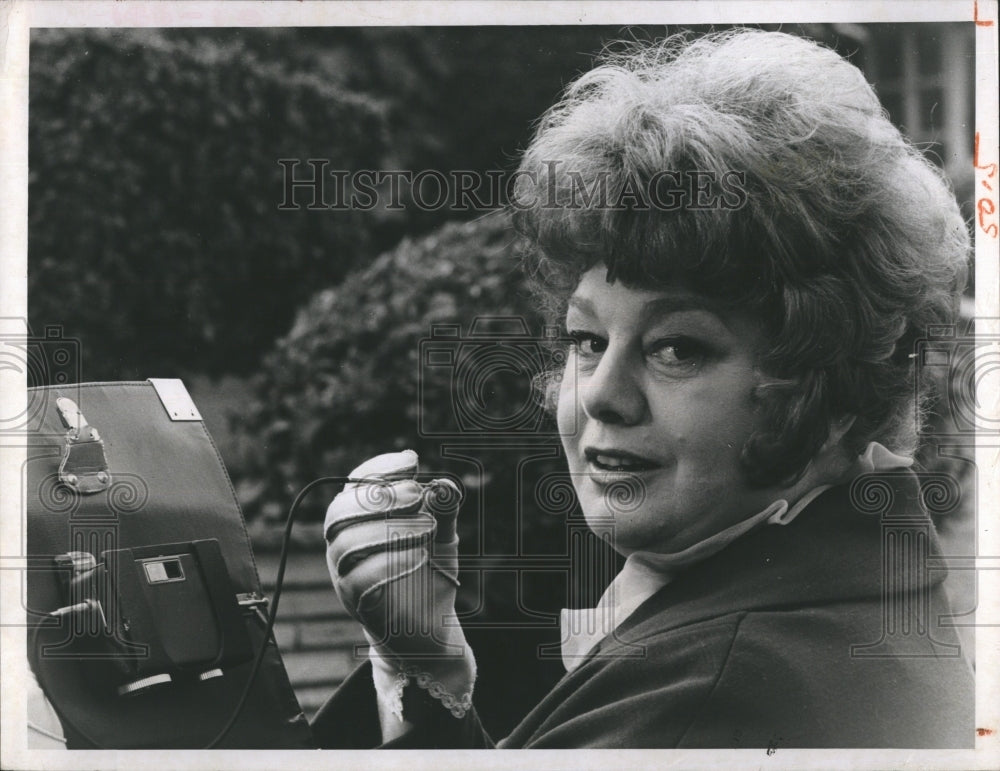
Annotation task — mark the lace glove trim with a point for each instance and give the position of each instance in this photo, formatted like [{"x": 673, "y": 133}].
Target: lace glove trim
[{"x": 390, "y": 682}]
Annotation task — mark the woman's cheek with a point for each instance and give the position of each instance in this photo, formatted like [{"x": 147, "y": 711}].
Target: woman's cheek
[{"x": 566, "y": 409}]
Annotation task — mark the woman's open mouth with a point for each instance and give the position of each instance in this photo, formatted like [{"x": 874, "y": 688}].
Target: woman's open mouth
[{"x": 607, "y": 460}]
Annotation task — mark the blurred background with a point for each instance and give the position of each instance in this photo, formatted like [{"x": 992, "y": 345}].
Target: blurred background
[{"x": 156, "y": 241}]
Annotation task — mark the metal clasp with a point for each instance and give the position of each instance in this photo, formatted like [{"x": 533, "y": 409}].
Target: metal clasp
[{"x": 84, "y": 466}]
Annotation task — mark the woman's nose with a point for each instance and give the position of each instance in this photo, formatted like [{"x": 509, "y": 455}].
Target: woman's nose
[{"x": 612, "y": 393}]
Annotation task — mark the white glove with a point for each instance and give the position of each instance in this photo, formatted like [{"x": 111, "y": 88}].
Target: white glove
[{"x": 393, "y": 557}]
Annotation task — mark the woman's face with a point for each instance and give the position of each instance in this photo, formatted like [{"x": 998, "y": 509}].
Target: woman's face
[{"x": 661, "y": 399}]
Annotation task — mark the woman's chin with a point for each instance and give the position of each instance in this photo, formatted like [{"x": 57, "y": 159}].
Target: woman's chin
[{"x": 617, "y": 513}]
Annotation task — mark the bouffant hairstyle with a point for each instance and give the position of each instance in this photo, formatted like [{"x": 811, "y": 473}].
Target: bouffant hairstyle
[{"x": 758, "y": 169}]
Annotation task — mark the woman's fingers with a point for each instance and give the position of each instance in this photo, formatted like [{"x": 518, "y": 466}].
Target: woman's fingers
[
  {"x": 376, "y": 501},
  {"x": 390, "y": 466},
  {"x": 380, "y": 531},
  {"x": 442, "y": 499},
  {"x": 362, "y": 589},
  {"x": 354, "y": 544},
  {"x": 392, "y": 551}
]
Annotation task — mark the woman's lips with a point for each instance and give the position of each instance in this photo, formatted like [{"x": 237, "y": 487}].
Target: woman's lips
[
  {"x": 617, "y": 459},
  {"x": 608, "y": 465}
]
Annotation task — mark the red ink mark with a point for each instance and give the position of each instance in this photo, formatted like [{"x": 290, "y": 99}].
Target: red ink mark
[
  {"x": 985, "y": 207},
  {"x": 975, "y": 159},
  {"x": 985, "y": 731},
  {"x": 980, "y": 22}
]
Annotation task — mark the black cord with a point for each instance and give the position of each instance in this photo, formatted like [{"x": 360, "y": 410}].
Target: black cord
[{"x": 279, "y": 580}]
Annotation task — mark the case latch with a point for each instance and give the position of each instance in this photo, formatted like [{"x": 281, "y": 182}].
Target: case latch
[{"x": 84, "y": 467}]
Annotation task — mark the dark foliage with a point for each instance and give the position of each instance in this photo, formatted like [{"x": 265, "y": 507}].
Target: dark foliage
[{"x": 154, "y": 232}]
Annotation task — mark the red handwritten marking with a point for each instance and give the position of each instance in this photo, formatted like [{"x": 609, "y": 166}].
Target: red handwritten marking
[
  {"x": 980, "y": 22},
  {"x": 985, "y": 731},
  {"x": 985, "y": 207}
]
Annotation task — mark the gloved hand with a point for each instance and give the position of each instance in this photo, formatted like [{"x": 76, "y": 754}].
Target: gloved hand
[{"x": 392, "y": 551}]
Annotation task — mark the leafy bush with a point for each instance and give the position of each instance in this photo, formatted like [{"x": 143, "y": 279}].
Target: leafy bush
[
  {"x": 344, "y": 381},
  {"x": 154, "y": 229}
]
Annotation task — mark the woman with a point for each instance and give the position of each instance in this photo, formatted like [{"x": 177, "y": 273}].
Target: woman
[{"x": 744, "y": 252}]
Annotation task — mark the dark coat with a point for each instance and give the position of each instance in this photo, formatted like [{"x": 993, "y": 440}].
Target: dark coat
[{"x": 792, "y": 636}]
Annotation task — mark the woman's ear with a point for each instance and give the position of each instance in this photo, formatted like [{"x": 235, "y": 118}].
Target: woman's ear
[
  {"x": 838, "y": 429},
  {"x": 831, "y": 461}
]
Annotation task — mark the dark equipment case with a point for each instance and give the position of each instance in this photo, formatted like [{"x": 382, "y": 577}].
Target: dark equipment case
[{"x": 145, "y": 609}]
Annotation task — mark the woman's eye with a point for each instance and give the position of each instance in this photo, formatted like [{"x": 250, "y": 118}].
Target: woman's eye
[
  {"x": 586, "y": 343},
  {"x": 678, "y": 352}
]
